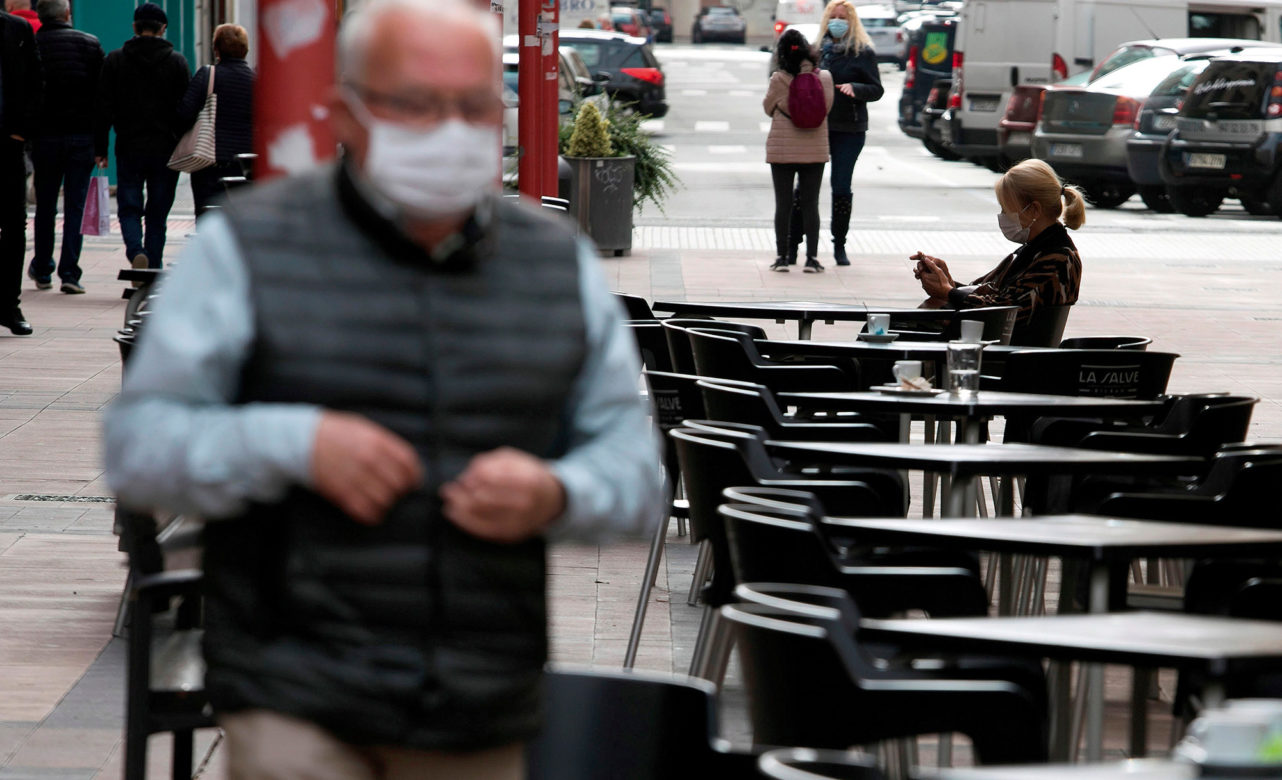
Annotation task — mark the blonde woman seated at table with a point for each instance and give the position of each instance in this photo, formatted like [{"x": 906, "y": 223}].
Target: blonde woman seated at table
[{"x": 1045, "y": 271}]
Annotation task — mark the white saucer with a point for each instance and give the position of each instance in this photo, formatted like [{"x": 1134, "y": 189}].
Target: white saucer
[{"x": 883, "y": 338}]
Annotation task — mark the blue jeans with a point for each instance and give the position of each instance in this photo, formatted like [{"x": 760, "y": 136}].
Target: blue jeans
[
  {"x": 844, "y": 148},
  {"x": 66, "y": 162},
  {"x": 132, "y": 174}
]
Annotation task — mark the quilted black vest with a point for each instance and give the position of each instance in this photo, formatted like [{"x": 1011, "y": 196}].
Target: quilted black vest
[{"x": 412, "y": 632}]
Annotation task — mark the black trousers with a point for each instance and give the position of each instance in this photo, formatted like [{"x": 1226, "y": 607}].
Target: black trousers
[
  {"x": 809, "y": 179},
  {"x": 207, "y": 185},
  {"x": 13, "y": 221}
]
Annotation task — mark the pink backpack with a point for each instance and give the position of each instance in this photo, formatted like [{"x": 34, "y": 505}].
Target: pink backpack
[{"x": 806, "y": 106}]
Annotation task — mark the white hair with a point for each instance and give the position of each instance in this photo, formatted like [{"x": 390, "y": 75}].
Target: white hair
[{"x": 357, "y": 32}]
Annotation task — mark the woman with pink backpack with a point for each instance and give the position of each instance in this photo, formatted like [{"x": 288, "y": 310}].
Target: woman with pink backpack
[{"x": 798, "y": 100}]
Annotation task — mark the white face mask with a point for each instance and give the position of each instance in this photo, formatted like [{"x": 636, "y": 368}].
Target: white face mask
[
  {"x": 438, "y": 173},
  {"x": 1011, "y": 227}
]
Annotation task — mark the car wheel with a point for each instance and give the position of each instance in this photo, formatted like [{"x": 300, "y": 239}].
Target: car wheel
[
  {"x": 940, "y": 151},
  {"x": 1154, "y": 196},
  {"x": 1255, "y": 206},
  {"x": 1108, "y": 195},
  {"x": 1195, "y": 201}
]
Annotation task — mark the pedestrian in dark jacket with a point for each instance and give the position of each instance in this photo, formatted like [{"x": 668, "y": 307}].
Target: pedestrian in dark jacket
[
  {"x": 63, "y": 146},
  {"x": 234, "y": 126},
  {"x": 846, "y": 52},
  {"x": 138, "y": 94},
  {"x": 19, "y": 95}
]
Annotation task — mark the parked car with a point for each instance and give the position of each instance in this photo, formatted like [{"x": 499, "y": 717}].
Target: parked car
[
  {"x": 719, "y": 23},
  {"x": 636, "y": 77},
  {"x": 1133, "y": 51},
  {"x": 1082, "y": 131},
  {"x": 661, "y": 21},
  {"x": 1154, "y": 124},
  {"x": 1015, "y": 130},
  {"x": 909, "y": 24},
  {"x": 790, "y": 12},
  {"x": 630, "y": 21},
  {"x": 930, "y": 58},
  {"x": 881, "y": 23},
  {"x": 1226, "y": 139},
  {"x": 933, "y": 136}
]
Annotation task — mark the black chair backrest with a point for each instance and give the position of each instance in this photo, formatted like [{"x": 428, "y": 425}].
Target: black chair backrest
[
  {"x": 776, "y": 498},
  {"x": 929, "y": 326},
  {"x": 637, "y": 308},
  {"x": 776, "y": 545},
  {"x": 1044, "y": 329},
  {"x": 679, "y": 341},
  {"x": 1208, "y": 422},
  {"x": 609, "y": 725},
  {"x": 720, "y": 353},
  {"x": 1139, "y": 343},
  {"x": 807, "y": 764},
  {"x": 652, "y": 344},
  {"x": 741, "y": 402},
  {"x": 1089, "y": 372}
]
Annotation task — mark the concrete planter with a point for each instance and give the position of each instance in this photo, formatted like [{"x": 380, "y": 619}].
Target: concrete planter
[{"x": 601, "y": 200}]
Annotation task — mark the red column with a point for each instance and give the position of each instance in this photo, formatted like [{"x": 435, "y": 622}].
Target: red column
[
  {"x": 551, "y": 114},
  {"x": 295, "y": 73},
  {"x": 537, "y": 89}
]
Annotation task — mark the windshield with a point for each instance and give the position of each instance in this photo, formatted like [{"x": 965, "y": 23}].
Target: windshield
[
  {"x": 1177, "y": 83},
  {"x": 1230, "y": 90},
  {"x": 1121, "y": 58},
  {"x": 1138, "y": 78}
]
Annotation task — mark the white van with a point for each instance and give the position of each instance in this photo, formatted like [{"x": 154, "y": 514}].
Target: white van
[
  {"x": 1007, "y": 43},
  {"x": 1001, "y": 44},
  {"x": 790, "y": 12}
]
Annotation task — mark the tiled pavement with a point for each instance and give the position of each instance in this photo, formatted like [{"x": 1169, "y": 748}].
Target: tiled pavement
[{"x": 61, "y": 676}]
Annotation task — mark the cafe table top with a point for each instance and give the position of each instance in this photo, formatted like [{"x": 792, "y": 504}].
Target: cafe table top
[
  {"x": 1131, "y": 769},
  {"x": 984, "y": 404},
  {"x": 968, "y": 460},
  {"x": 1144, "y": 639},
  {"x": 1092, "y": 536},
  {"x": 813, "y": 310},
  {"x": 899, "y": 349}
]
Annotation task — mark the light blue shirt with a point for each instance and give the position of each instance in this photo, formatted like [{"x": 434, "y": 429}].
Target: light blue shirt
[{"x": 175, "y": 440}]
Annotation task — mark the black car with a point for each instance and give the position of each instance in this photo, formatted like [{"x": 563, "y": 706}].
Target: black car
[
  {"x": 1155, "y": 122},
  {"x": 661, "y": 21},
  {"x": 635, "y": 74},
  {"x": 933, "y": 135},
  {"x": 1227, "y": 140},
  {"x": 930, "y": 58}
]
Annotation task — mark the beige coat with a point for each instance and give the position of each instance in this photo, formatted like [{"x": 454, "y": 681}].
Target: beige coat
[{"x": 786, "y": 142}]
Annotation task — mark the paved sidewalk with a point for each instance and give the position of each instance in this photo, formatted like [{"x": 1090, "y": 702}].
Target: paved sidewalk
[{"x": 61, "y": 675}]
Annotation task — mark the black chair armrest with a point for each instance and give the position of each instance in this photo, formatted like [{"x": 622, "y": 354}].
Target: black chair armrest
[
  {"x": 167, "y": 584},
  {"x": 1148, "y": 443},
  {"x": 939, "y": 592},
  {"x": 1169, "y": 507}
]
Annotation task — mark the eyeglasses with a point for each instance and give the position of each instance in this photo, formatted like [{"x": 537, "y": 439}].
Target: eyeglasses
[{"x": 424, "y": 107}]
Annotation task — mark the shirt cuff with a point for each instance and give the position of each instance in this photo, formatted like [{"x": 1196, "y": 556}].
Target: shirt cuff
[{"x": 958, "y": 295}]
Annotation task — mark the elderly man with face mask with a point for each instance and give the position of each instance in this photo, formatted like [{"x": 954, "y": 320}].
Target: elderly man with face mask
[{"x": 385, "y": 387}]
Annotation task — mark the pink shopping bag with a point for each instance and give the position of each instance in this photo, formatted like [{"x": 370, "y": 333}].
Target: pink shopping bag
[{"x": 97, "y": 218}]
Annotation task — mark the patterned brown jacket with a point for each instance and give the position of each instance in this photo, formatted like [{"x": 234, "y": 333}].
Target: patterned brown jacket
[{"x": 1046, "y": 271}]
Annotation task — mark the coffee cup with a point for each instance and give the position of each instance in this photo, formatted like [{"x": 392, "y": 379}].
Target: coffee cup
[
  {"x": 972, "y": 331},
  {"x": 878, "y": 324},
  {"x": 906, "y": 370}
]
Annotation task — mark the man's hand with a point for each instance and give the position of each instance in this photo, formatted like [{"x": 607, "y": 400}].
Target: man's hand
[
  {"x": 101, "y": 162},
  {"x": 362, "y": 467},
  {"x": 846, "y": 90},
  {"x": 504, "y": 495}
]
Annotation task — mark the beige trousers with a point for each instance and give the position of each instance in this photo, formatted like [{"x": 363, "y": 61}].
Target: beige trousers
[{"x": 265, "y": 745}]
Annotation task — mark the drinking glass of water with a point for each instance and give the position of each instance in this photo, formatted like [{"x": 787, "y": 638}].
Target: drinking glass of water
[{"x": 963, "y": 369}]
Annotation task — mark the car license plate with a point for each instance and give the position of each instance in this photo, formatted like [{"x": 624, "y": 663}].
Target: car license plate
[
  {"x": 1018, "y": 139},
  {"x": 983, "y": 104},
  {"x": 1165, "y": 122},
  {"x": 1203, "y": 160},
  {"x": 1073, "y": 151}
]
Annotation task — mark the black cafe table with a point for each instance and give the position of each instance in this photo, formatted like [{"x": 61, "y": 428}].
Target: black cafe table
[
  {"x": 1131, "y": 769},
  {"x": 966, "y": 462},
  {"x": 984, "y": 405},
  {"x": 1211, "y": 645},
  {"x": 1107, "y": 543},
  {"x": 807, "y": 313}
]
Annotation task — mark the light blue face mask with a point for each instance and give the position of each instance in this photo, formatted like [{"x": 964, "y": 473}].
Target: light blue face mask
[{"x": 838, "y": 28}]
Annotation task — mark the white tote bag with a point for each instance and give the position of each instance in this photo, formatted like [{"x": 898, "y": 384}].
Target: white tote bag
[{"x": 195, "y": 150}]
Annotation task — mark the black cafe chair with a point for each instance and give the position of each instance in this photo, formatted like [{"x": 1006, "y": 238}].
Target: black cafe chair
[
  {"x": 1045, "y": 328},
  {"x": 652, "y": 345},
  {"x": 1088, "y": 372},
  {"x": 807, "y": 764},
  {"x": 679, "y": 340},
  {"x": 811, "y": 683},
  {"x": 929, "y": 326},
  {"x": 609, "y": 725},
  {"x": 713, "y": 459},
  {"x": 1139, "y": 343},
  {"x": 745, "y": 402},
  {"x": 732, "y": 355},
  {"x": 637, "y": 308}
]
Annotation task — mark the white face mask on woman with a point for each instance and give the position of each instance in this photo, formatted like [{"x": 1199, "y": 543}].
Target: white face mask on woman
[
  {"x": 1011, "y": 227},
  {"x": 437, "y": 173}
]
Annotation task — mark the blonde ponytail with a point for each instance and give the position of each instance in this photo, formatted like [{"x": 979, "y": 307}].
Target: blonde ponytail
[{"x": 1074, "y": 207}]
